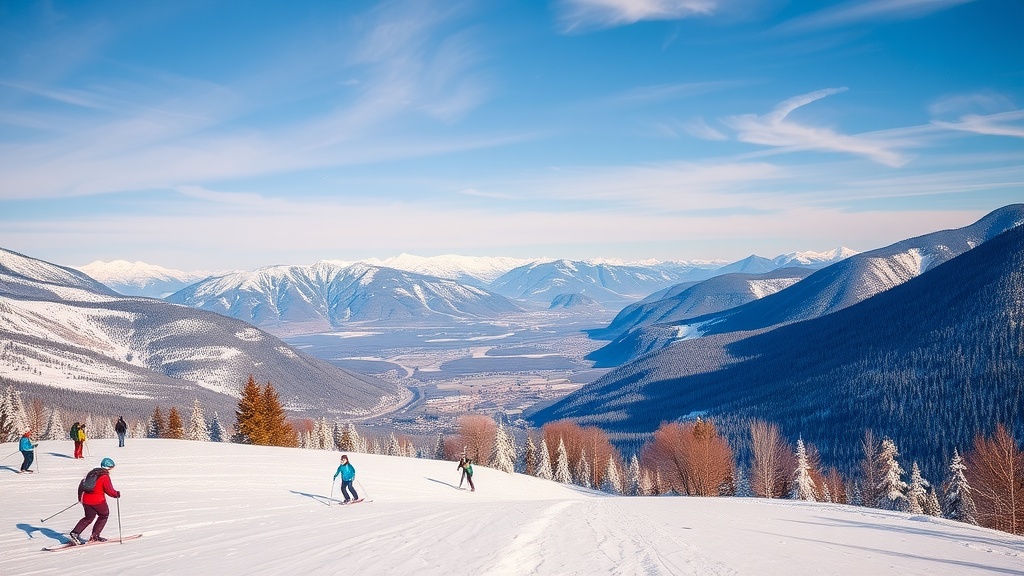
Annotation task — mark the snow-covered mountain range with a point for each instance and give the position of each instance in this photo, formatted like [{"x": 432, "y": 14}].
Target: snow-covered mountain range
[
  {"x": 141, "y": 279},
  {"x": 847, "y": 282},
  {"x": 931, "y": 362},
  {"x": 477, "y": 271},
  {"x": 63, "y": 331},
  {"x": 317, "y": 298}
]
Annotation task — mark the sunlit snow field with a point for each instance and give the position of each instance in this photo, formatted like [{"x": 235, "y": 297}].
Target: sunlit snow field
[{"x": 225, "y": 509}]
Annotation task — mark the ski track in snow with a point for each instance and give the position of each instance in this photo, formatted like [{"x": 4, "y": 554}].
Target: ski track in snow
[{"x": 228, "y": 509}]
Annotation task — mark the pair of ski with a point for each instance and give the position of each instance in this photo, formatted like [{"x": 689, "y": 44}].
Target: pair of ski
[
  {"x": 70, "y": 545},
  {"x": 350, "y": 502}
]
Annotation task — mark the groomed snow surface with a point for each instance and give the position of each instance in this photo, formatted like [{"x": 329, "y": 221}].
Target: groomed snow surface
[{"x": 227, "y": 509}]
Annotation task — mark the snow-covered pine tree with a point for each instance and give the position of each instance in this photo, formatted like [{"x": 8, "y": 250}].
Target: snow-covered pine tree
[
  {"x": 355, "y": 442},
  {"x": 544, "y": 467},
  {"x": 612, "y": 482},
  {"x": 216, "y": 430},
  {"x": 917, "y": 493},
  {"x": 803, "y": 484},
  {"x": 197, "y": 427},
  {"x": 393, "y": 449},
  {"x": 55, "y": 427},
  {"x": 13, "y": 418},
  {"x": 439, "y": 452},
  {"x": 7, "y": 428},
  {"x": 326, "y": 439},
  {"x": 304, "y": 441},
  {"x": 743, "y": 483},
  {"x": 826, "y": 496},
  {"x": 582, "y": 473},
  {"x": 635, "y": 478},
  {"x": 856, "y": 499},
  {"x": 530, "y": 460},
  {"x": 503, "y": 457},
  {"x": 157, "y": 425},
  {"x": 139, "y": 430},
  {"x": 561, "y": 472},
  {"x": 106, "y": 428},
  {"x": 958, "y": 504},
  {"x": 931, "y": 504},
  {"x": 891, "y": 487}
]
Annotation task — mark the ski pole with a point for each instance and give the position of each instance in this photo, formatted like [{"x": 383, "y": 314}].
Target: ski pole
[
  {"x": 331, "y": 499},
  {"x": 9, "y": 455},
  {"x": 120, "y": 538},
  {"x": 363, "y": 490},
  {"x": 61, "y": 512},
  {"x": 88, "y": 452}
]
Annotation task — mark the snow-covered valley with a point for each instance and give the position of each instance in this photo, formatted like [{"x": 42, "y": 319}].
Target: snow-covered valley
[{"x": 209, "y": 508}]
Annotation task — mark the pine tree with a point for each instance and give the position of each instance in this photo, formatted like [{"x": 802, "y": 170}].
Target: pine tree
[
  {"x": 870, "y": 468},
  {"x": 278, "y": 431},
  {"x": 439, "y": 451},
  {"x": 803, "y": 484},
  {"x": 544, "y": 468},
  {"x": 612, "y": 482},
  {"x": 917, "y": 493},
  {"x": 326, "y": 439},
  {"x": 157, "y": 425},
  {"x": 582, "y": 473},
  {"x": 635, "y": 477},
  {"x": 503, "y": 455},
  {"x": 561, "y": 473},
  {"x": 140, "y": 429},
  {"x": 197, "y": 428},
  {"x": 249, "y": 427},
  {"x": 530, "y": 460},
  {"x": 393, "y": 448},
  {"x": 106, "y": 429},
  {"x": 55, "y": 427},
  {"x": 347, "y": 441},
  {"x": 13, "y": 418},
  {"x": 958, "y": 503},
  {"x": 891, "y": 487},
  {"x": 217, "y": 432},
  {"x": 932, "y": 506},
  {"x": 175, "y": 427}
]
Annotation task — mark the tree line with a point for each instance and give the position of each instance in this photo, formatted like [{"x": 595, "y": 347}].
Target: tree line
[{"x": 984, "y": 486}]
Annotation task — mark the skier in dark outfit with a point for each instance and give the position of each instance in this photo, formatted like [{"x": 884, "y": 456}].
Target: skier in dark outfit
[
  {"x": 348, "y": 474},
  {"x": 121, "y": 428},
  {"x": 94, "y": 502},
  {"x": 466, "y": 465}
]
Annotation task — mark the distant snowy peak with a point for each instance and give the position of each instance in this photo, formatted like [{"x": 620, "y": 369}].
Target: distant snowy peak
[
  {"x": 140, "y": 278},
  {"x": 478, "y": 269},
  {"x": 294, "y": 299},
  {"x": 814, "y": 259}
]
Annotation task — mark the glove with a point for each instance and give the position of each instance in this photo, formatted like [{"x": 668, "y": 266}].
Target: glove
[{"x": 118, "y": 494}]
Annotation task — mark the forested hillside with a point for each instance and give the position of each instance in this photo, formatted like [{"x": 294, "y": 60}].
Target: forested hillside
[{"x": 930, "y": 363}]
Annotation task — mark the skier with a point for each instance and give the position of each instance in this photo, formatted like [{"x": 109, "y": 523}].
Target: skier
[
  {"x": 466, "y": 465},
  {"x": 92, "y": 492},
  {"x": 348, "y": 474},
  {"x": 121, "y": 428},
  {"x": 78, "y": 435},
  {"x": 27, "y": 451}
]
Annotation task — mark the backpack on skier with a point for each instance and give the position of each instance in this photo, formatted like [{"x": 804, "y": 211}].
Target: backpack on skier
[{"x": 74, "y": 432}]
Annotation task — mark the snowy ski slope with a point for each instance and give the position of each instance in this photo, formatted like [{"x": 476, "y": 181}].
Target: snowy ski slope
[{"x": 227, "y": 509}]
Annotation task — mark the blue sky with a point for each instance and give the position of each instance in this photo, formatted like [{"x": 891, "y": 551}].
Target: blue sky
[{"x": 216, "y": 135}]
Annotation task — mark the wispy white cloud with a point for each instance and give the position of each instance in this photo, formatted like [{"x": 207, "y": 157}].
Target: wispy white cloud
[
  {"x": 860, "y": 11},
  {"x": 776, "y": 129},
  {"x": 1003, "y": 124},
  {"x": 413, "y": 65},
  {"x": 665, "y": 92},
  {"x": 579, "y": 15},
  {"x": 698, "y": 128}
]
